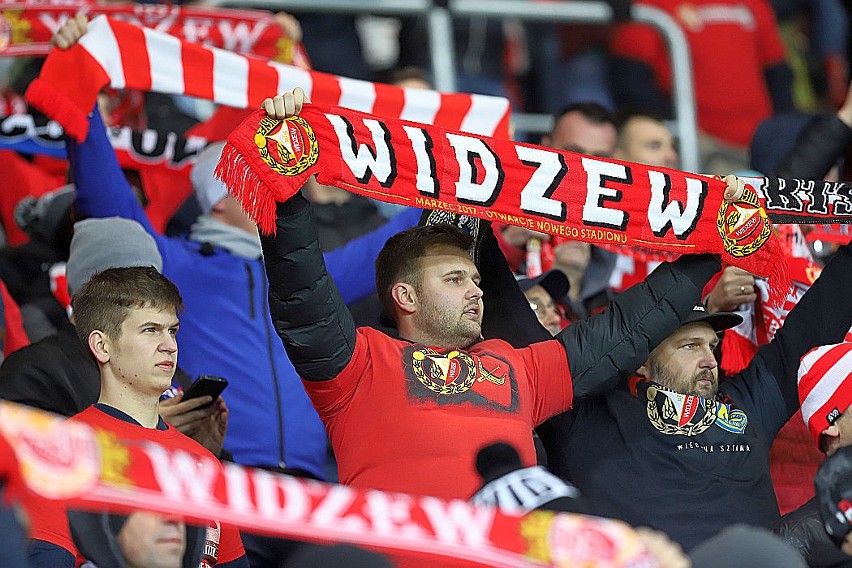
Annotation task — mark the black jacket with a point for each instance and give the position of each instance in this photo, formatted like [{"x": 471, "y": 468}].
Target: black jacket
[
  {"x": 803, "y": 529},
  {"x": 817, "y": 150},
  {"x": 57, "y": 374}
]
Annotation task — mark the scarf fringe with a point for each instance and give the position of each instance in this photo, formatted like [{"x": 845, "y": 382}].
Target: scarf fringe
[
  {"x": 737, "y": 352},
  {"x": 54, "y": 103},
  {"x": 255, "y": 196},
  {"x": 780, "y": 283}
]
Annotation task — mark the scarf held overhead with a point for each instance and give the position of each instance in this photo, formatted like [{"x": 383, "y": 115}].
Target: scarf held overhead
[
  {"x": 93, "y": 469},
  {"x": 124, "y": 56},
  {"x": 29, "y": 27},
  {"x": 556, "y": 192}
]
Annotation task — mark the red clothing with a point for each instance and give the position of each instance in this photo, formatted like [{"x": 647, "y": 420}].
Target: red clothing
[
  {"x": 14, "y": 334},
  {"x": 49, "y": 522},
  {"x": 731, "y": 44},
  {"x": 403, "y": 417},
  {"x": 21, "y": 179}
]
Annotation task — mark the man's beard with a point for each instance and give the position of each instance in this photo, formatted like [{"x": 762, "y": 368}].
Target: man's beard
[
  {"x": 661, "y": 375},
  {"x": 446, "y": 327}
]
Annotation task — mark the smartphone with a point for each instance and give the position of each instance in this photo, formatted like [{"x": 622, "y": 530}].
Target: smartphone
[{"x": 206, "y": 385}]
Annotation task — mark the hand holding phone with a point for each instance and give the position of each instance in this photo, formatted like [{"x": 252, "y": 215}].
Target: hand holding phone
[{"x": 206, "y": 385}]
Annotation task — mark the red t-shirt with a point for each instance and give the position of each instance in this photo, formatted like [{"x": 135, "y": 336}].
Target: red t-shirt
[
  {"x": 49, "y": 521},
  {"x": 732, "y": 42},
  {"x": 408, "y": 418}
]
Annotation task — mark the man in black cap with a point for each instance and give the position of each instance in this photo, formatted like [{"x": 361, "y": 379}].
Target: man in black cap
[{"x": 676, "y": 448}]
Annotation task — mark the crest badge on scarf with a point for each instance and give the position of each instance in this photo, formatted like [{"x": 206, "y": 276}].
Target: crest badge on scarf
[
  {"x": 287, "y": 146},
  {"x": 743, "y": 226}
]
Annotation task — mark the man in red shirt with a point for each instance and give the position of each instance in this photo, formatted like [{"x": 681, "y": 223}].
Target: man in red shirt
[
  {"x": 409, "y": 413},
  {"x": 128, "y": 319}
]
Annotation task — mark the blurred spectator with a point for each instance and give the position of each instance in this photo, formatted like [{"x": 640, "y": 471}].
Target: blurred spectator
[
  {"x": 480, "y": 50},
  {"x": 726, "y": 39},
  {"x": 333, "y": 46},
  {"x": 645, "y": 139},
  {"x": 816, "y": 34},
  {"x": 545, "y": 294},
  {"x": 817, "y": 147},
  {"x": 833, "y": 484},
  {"x": 135, "y": 540},
  {"x": 340, "y": 215},
  {"x": 586, "y": 128},
  {"x": 26, "y": 268}
]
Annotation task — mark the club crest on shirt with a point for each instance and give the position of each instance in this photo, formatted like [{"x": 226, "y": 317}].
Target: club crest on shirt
[
  {"x": 444, "y": 373},
  {"x": 461, "y": 375},
  {"x": 688, "y": 415},
  {"x": 287, "y": 146}
]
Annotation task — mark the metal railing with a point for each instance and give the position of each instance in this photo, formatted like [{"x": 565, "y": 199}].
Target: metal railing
[{"x": 442, "y": 51}]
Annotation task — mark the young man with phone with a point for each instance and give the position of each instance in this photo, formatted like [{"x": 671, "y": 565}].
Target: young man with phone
[{"x": 127, "y": 317}]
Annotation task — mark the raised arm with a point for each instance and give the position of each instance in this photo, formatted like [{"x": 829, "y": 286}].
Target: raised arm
[
  {"x": 821, "y": 317},
  {"x": 307, "y": 310},
  {"x": 618, "y": 340},
  {"x": 102, "y": 189}
]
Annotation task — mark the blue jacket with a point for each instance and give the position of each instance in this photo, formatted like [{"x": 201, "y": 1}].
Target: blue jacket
[{"x": 226, "y": 328}]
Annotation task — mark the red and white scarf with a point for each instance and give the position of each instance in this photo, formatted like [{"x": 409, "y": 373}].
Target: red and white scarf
[
  {"x": 124, "y": 56},
  {"x": 90, "y": 469},
  {"x": 29, "y": 27},
  {"x": 826, "y": 208},
  {"x": 557, "y": 192}
]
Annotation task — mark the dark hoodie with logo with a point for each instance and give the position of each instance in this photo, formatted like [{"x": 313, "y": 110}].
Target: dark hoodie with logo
[{"x": 690, "y": 466}]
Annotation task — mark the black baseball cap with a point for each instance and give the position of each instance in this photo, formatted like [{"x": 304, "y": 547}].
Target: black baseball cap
[
  {"x": 553, "y": 281},
  {"x": 719, "y": 321}
]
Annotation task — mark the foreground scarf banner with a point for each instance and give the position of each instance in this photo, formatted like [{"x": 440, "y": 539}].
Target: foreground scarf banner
[
  {"x": 556, "y": 192},
  {"x": 93, "y": 469},
  {"x": 28, "y": 27}
]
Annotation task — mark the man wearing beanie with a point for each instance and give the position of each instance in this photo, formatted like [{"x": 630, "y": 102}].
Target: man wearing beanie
[
  {"x": 57, "y": 373},
  {"x": 825, "y": 390}
]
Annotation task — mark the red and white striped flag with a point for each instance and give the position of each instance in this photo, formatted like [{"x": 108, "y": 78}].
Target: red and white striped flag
[{"x": 124, "y": 56}]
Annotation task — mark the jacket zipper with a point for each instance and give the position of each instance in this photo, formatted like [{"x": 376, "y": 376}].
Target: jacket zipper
[
  {"x": 251, "y": 291},
  {"x": 273, "y": 370}
]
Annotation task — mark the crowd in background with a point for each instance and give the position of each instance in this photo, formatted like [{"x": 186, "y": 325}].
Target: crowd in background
[{"x": 773, "y": 98}]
